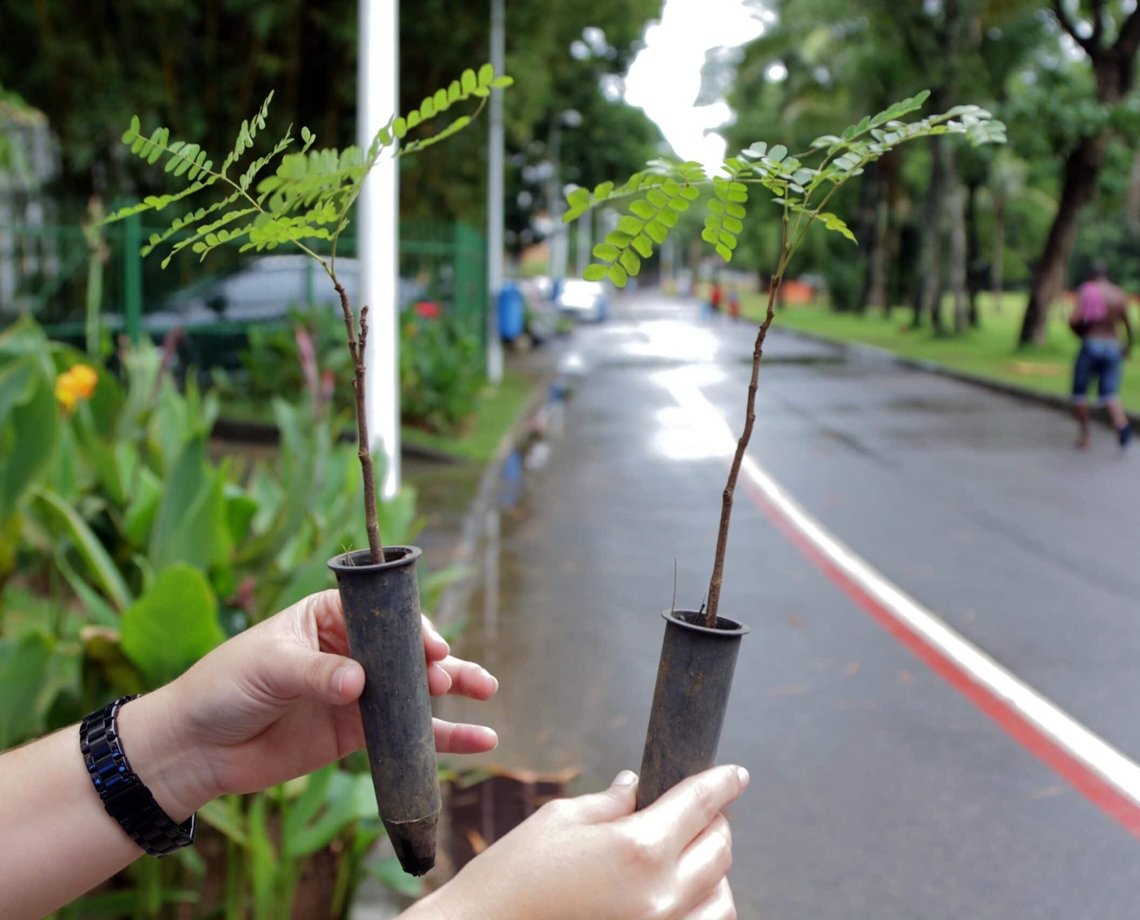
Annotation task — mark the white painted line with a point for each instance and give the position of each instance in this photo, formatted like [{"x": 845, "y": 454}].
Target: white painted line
[{"x": 1046, "y": 717}]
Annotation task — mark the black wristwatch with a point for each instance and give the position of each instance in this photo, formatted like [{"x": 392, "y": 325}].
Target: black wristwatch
[{"x": 123, "y": 794}]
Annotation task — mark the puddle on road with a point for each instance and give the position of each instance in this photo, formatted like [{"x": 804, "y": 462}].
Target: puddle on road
[
  {"x": 813, "y": 360},
  {"x": 491, "y": 579},
  {"x": 956, "y": 405}
]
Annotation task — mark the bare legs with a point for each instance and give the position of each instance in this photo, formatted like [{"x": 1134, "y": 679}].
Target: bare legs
[
  {"x": 1081, "y": 414},
  {"x": 1115, "y": 413}
]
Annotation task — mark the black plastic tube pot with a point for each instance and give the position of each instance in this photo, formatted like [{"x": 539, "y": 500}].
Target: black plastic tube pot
[
  {"x": 382, "y": 612},
  {"x": 694, "y": 678}
]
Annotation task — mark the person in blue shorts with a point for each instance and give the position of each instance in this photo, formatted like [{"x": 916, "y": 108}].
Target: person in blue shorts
[{"x": 1100, "y": 309}]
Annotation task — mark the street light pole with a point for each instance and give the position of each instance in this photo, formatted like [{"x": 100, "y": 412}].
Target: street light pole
[
  {"x": 560, "y": 241},
  {"x": 495, "y": 202},
  {"x": 378, "y": 232}
]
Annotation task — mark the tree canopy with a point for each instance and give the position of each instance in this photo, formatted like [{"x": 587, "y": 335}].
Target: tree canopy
[{"x": 201, "y": 67}]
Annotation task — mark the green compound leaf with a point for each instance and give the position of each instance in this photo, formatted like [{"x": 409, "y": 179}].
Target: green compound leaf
[
  {"x": 800, "y": 186},
  {"x": 606, "y": 252},
  {"x": 630, "y": 262},
  {"x": 617, "y": 275},
  {"x": 308, "y": 194}
]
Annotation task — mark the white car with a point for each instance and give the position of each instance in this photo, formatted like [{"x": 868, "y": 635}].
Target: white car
[{"x": 584, "y": 300}]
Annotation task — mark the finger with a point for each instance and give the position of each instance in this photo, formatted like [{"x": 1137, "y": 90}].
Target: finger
[
  {"x": 719, "y": 905},
  {"x": 435, "y": 646},
  {"x": 293, "y": 672},
  {"x": 705, "y": 862},
  {"x": 324, "y": 609},
  {"x": 439, "y": 680},
  {"x": 615, "y": 802},
  {"x": 468, "y": 678},
  {"x": 463, "y": 738},
  {"x": 689, "y": 806}
]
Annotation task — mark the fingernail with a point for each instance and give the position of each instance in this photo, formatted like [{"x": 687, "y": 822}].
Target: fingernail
[
  {"x": 742, "y": 775},
  {"x": 340, "y": 675},
  {"x": 446, "y": 676},
  {"x": 625, "y": 778},
  {"x": 493, "y": 678}
]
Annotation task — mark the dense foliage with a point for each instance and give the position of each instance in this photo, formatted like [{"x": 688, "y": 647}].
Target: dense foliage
[{"x": 89, "y": 68}]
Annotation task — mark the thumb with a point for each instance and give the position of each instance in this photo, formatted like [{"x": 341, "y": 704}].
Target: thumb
[
  {"x": 616, "y": 802},
  {"x": 310, "y": 674}
]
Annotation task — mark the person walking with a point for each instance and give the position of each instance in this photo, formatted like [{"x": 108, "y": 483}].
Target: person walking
[{"x": 1101, "y": 308}]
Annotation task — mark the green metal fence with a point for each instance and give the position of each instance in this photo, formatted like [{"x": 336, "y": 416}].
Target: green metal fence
[{"x": 53, "y": 273}]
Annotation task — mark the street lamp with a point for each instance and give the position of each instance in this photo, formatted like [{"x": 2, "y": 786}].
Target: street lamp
[{"x": 559, "y": 240}]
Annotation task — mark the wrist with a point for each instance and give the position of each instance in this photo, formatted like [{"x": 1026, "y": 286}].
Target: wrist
[{"x": 179, "y": 782}]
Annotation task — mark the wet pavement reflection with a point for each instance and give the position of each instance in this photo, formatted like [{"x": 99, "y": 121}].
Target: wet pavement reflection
[{"x": 878, "y": 791}]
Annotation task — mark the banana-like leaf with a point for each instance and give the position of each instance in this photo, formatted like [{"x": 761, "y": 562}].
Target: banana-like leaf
[
  {"x": 172, "y": 625},
  {"x": 99, "y": 564}
]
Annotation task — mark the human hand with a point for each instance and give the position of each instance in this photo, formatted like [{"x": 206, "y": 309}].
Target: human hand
[
  {"x": 275, "y": 702},
  {"x": 593, "y": 856}
]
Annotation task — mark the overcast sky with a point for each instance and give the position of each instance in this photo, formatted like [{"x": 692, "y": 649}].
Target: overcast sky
[{"x": 665, "y": 78}]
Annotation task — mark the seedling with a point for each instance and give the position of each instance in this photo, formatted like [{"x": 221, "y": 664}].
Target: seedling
[{"x": 802, "y": 186}]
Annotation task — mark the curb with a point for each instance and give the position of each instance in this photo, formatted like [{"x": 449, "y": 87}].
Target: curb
[
  {"x": 456, "y": 594},
  {"x": 1049, "y": 400}
]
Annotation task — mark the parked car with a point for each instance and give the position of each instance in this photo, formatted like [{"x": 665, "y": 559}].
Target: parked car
[
  {"x": 586, "y": 301},
  {"x": 215, "y": 312}
]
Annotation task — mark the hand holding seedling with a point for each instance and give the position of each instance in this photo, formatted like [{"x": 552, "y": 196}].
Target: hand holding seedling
[
  {"x": 277, "y": 701},
  {"x": 593, "y": 856}
]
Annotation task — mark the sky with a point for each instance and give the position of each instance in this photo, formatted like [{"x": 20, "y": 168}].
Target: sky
[{"x": 665, "y": 77}]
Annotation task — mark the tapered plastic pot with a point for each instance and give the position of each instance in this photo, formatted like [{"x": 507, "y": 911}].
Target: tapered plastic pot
[
  {"x": 694, "y": 679},
  {"x": 382, "y": 612}
]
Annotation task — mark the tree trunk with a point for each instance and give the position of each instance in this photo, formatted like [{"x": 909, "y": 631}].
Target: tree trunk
[
  {"x": 879, "y": 258},
  {"x": 1114, "y": 69},
  {"x": 866, "y": 233},
  {"x": 930, "y": 286},
  {"x": 973, "y": 253},
  {"x": 956, "y": 232},
  {"x": 997, "y": 271},
  {"x": 1082, "y": 167}
]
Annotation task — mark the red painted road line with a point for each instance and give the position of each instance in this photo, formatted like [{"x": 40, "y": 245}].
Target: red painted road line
[{"x": 1091, "y": 784}]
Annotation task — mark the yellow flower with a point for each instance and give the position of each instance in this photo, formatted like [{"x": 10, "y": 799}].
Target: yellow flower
[{"x": 75, "y": 383}]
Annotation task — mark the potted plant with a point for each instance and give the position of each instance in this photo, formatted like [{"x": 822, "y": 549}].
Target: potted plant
[
  {"x": 700, "y": 646},
  {"x": 305, "y": 203}
]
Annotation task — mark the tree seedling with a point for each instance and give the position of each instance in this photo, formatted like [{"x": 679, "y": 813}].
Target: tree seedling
[
  {"x": 802, "y": 186},
  {"x": 294, "y": 196}
]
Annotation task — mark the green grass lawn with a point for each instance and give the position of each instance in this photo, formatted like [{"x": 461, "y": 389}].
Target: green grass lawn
[
  {"x": 989, "y": 351},
  {"x": 496, "y": 411}
]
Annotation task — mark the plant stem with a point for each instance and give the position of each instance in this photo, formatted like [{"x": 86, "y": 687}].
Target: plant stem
[
  {"x": 356, "y": 350},
  {"x": 741, "y": 445}
]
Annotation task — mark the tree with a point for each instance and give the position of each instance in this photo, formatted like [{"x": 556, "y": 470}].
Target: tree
[
  {"x": 1111, "y": 52},
  {"x": 88, "y": 66}
]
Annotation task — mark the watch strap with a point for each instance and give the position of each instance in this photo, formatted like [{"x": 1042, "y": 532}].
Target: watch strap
[{"x": 125, "y": 797}]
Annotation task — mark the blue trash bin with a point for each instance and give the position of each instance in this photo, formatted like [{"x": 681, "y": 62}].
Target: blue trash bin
[{"x": 512, "y": 312}]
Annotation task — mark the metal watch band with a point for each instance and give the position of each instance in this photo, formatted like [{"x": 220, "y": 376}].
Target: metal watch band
[{"x": 123, "y": 794}]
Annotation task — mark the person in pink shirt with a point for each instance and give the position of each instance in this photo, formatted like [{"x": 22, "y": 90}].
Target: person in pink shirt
[{"x": 1100, "y": 309}]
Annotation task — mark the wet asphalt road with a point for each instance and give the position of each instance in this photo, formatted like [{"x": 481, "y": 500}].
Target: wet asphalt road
[{"x": 878, "y": 791}]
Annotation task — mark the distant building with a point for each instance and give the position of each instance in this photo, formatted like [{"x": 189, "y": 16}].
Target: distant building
[{"x": 29, "y": 159}]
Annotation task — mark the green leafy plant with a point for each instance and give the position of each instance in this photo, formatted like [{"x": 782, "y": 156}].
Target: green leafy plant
[
  {"x": 133, "y": 550},
  {"x": 304, "y": 202},
  {"x": 440, "y": 377},
  {"x": 801, "y": 186}
]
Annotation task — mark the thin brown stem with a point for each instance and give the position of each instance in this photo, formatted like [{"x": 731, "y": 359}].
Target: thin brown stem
[
  {"x": 356, "y": 350},
  {"x": 741, "y": 445}
]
